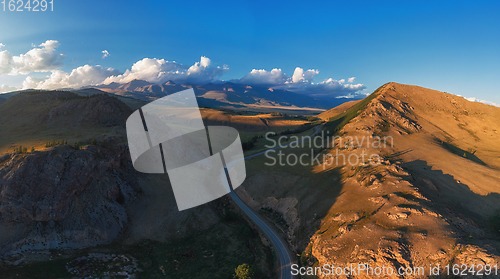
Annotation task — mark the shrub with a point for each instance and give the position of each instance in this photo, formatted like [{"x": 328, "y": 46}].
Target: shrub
[
  {"x": 250, "y": 143},
  {"x": 21, "y": 150},
  {"x": 243, "y": 271},
  {"x": 303, "y": 258},
  {"x": 55, "y": 143}
]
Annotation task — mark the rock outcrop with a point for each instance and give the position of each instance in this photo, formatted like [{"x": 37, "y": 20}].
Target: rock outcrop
[{"x": 64, "y": 198}]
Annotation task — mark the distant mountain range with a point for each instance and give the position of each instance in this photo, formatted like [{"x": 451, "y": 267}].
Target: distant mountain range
[
  {"x": 227, "y": 95},
  {"x": 220, "y": 96}
]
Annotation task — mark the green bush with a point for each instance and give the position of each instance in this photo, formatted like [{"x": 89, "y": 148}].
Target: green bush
[
  {"x": 243, "y": 271},
  {"x": 251, "y": 143},
  {"x": 21, "y": 150},
  {"x": 55, "y": 143}
]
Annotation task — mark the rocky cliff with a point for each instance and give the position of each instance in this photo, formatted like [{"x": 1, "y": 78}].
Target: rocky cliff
[{"x": 64, "y": 197}]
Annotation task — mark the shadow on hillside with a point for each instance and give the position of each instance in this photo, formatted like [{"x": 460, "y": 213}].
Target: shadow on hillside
[
  {"x": 203, "y": 102},
  {"x": 463, "y": 209},
  {"x": 318, "y": 200},
  {"x": 400, "y": 153},
  {"x": 315, "y": 193},
  {"x": 470, "y": 154}
]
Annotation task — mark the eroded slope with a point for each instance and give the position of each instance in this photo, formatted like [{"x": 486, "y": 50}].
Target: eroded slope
[{"x": 432, "y": 198}]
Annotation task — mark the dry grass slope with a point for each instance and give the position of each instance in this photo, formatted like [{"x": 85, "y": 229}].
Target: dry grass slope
[{"x": 434, "y": 199}]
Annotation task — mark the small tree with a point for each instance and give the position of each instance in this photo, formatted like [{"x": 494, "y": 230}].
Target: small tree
[
  {"x": 243, "y": 271},
  {"x": 32, "y": 149},
  {"x": 94, "y": 142},
  {"x": 21, "y": 149}
]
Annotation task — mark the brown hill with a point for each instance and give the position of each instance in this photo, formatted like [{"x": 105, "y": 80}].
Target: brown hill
[
  {"x": 33, "y": 118},
  {"x": 336, "y": 110},
  {"x": 433, "y": 197},
  {"x": 254, "y": 124}
]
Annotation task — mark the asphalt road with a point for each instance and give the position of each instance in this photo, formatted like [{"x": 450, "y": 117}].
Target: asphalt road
[{"x": 285, "y": 257}]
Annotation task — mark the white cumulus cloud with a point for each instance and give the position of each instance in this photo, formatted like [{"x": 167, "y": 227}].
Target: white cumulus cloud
[
  {"x": 152, "y": 70},
  {"x": 300, "y": 76},
  {"x": 302, "y": 81},
  {"x": 265, "y": 78},
  {"x": 82, "y": 76},
  {"x": 44, "y": 58},
  {"x": 5, "y": 88},
  {"x": 159, "y": 71},
  {"x": 105, "y": 54}
]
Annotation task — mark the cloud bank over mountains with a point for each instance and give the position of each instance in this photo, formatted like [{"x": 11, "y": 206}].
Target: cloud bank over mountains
[
  {"x": 43, "y": 58},
  {"x": 302, "y": 82},
  {"x": 79, "y": 77},
  {"x": 160, "y": 71},
  {"x": 46, "y": 58}
]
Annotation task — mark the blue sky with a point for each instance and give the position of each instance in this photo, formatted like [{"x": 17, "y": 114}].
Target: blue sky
[{"x": 451, "y": 46}]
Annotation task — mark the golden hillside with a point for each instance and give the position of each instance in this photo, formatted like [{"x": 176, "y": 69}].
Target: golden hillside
[{"x": 432, "y": 198}]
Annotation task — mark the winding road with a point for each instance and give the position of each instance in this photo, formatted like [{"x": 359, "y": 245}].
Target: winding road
[{"x": 285, "y": 257}]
